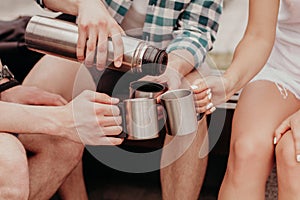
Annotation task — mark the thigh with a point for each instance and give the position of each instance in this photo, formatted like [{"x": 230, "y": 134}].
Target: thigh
[
  {"x": 260, "y": 110},
  {"x": 13, "y": 162},
  {"x": 60, "y": 76}
]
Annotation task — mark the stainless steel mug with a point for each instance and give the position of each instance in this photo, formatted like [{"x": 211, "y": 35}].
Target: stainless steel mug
[
  {"x": 140, "y": 119},
  {"x": 59, "y": 38},
  {"x": 180, "y": 109},
  {"x": 145, "y": 89}
]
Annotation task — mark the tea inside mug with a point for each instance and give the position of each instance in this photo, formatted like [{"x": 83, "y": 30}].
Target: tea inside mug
[
  {"x": 145, "y": 89},
  {"x": 146, "y": 86}
]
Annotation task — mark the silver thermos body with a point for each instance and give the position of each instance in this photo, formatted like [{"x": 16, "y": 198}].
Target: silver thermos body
[{"x": 59, "y": 38}]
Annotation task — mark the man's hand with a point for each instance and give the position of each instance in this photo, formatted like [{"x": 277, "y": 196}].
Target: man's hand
[
  {"x": 95, "y": 26},
  {"x": 92, "y": 118},
  {"x": 32, "y": 96}
]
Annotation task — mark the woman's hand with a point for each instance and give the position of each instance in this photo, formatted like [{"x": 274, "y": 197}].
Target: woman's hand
[
  {"x": 92, "y": 118},
  {"x": 209, "y": 92},
  {"x": 95, "y": 25},
  {"x": 32, "y": 96},
  {"x": 291, "y": 123}
]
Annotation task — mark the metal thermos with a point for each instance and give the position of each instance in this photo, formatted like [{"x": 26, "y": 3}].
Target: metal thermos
[{"x": 59, "y": 38}]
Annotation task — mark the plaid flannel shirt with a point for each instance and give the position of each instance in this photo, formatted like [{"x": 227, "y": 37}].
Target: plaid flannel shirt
[{"x": 176, "y": 24}]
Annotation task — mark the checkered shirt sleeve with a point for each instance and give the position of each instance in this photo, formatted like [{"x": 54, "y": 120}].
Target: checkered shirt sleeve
[{"x": 197, "y": 29}]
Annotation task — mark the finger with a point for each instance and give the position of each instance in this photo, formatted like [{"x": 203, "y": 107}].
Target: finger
[
  {"x": 296, "y": 137},
  {"x": 60, "y": 101},
  {"x": 107, "y": 110},
  {"x": 100, "y": 97},
  {"x": 199, "y": 86},
  {"x": 82, "y": 37},
  {"x": 201, "y": 109},
  {"x": 208, "y": 108},
  {"x": 202, "y": 95},
  {"x": 160, "y": 112},
  {"x": 109, "y": 141},
  {"x": 282, "y": 128},
  {"x": 118, "y": 48},
  {"x": 202, "y": 102},
  {"x": 110, "y": 121},
  {"x": 102, "y": 48},
  {"x": 50, "y": 99},
  {"x": 211, "y": 110},
  {"x": 91, "y": 47},
  {"x": 112, "y": 130}
]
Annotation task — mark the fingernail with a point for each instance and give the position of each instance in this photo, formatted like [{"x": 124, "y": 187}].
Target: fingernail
[
  {"x": 208, "y": 91},
  {"x": 118, "y": 63},
  {"x": 274, "y": 140},
  {"x": 298, "y": 158},
  {"x": 209, "y": 106},
  {"x": 213, "y": 109},
  {"x": 194, "y": 87},
  {"x": 114, "y": 100},
  {"x": 209, "y": 96}
]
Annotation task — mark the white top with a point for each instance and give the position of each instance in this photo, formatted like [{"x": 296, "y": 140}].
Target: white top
[{"x": 283, "y": 66}]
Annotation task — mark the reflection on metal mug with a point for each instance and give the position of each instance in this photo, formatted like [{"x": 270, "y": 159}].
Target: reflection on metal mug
[
  {"x": 181, "y": 112},
  {"x": 140, "y": 119},
  {"x": 145, "y": 89}
]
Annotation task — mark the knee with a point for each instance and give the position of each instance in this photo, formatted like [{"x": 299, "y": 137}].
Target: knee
[
  {"x": 286, "y": 157},
  {"x": 13, "y": 169},
  {"x": 14, "y": 193},
  {"x": 245, "y": 152},
  {"x": 63, "y": 150}
]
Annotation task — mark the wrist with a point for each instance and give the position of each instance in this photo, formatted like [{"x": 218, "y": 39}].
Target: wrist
[
  {"x": 63, "y": 122},
  {"x": 52, "y": 118},
  {"x": 181, "y": 61},
  {"x": 230, "y": 83}
]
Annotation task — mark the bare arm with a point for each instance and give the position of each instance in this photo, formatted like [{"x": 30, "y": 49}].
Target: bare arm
[
  {"x": 17, "y": 118},
  {"x": 249, "y": 58},
  {"x": 87, "y": 119},
  {"x": 65, "y": 6},
  {"x": 254, "y": 49}
]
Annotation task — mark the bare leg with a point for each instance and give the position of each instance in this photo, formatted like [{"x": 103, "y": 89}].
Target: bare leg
[
  {"x": 64, "y": 74},
  {"x": 66, "y": 190},
  {"x": 260, "y": 110},
  {"x": 184, "y": 177},
  {"x": 288, "y": 170},
  {"x": 14, "y": 177},
  {"x": 53, "y": 160}
]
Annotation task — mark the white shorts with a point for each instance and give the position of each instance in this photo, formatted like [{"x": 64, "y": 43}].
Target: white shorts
[{"x": 283, "y": 80}]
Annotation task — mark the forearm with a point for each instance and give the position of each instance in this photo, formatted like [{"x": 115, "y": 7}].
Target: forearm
[
  {"x": 65, "y": 6},
  {"x": 17, "y": 118},
  {"x": 181, "y": 61},
  {"x": 254, "y": 49},
  {"x": 249, "y": 58}
]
